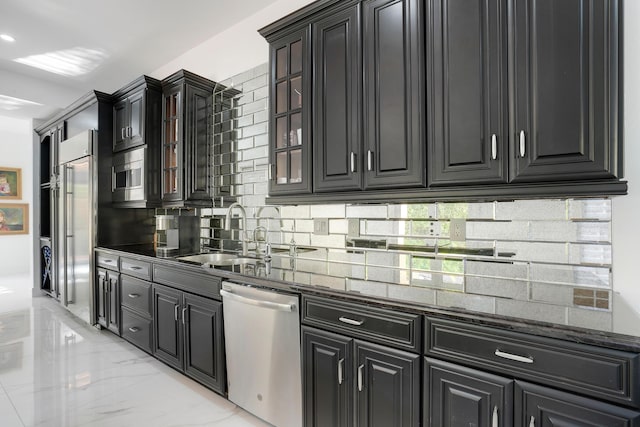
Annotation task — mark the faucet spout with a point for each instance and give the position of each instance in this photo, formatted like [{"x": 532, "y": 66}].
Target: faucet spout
[{"x": 243, "y": 218}]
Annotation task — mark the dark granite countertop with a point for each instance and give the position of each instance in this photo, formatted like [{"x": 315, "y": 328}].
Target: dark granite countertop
[{"x": 279, "y": 274}]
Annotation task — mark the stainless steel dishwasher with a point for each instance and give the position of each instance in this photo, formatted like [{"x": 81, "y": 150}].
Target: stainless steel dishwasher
[{"x": 262, "y": 338}]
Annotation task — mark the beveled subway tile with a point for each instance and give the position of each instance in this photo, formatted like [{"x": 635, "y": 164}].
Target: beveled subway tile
[
  {"x": 412, "y": 294},
  {"x": 593, "y": 232},
  {"x": 338, "y": 283},
  {"x": 593, "y": 254},
  {"x": 533, "y": 251},
  {"x": 310, "y": 266},
  {"x": 571, "y": 275},
  {"x": 552, "y": 294},
  {"x": 372, "y": 211},
  {"x": 413, "y": 211},
  {"x": 367, "y": 287},
  {"x": 591, "y": 319},
  {"x": 498, "y": 230},
  {"x": 532, "y": 310},
  {"x": 388, "y": 259},
  {"x": 539, "y": 209},
  {"x": 387, "y": 228},
  {"x": 569, "y": 231},
  {"x": 338, "y": 226},
  {"x": 304, "y": 225},
  {"x": 328, "y": 211},
  {"x": 479, "y": 303},
  {"x": 466, "y": 210},
  {"x": 330, "y": 241},
  {"x": 389, "y": 275},
  {"x": 425, "y": 228},
  {"x": 303, "y": 278},
  {"x": 595, "y": 209},
  {"x": 429, "y": 279},
  {"x": 504, "y": 288},
  {"x": 353, "y": 271},
  {"x": 295, "y": 212},
  {"x": 346, "y": 256},
  {"x": 507, "y": 270}
]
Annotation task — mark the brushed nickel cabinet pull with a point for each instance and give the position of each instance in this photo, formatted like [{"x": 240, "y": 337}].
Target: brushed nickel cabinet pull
[
  {"x": 494, "y": 417},
  {"x": 134, "y": 295},
  {"x": 340, "y": 372},
  {"x": 494, "y": 146},
  {"x": 353, "y": 162},
  {"x": 122, "y": 133},
  {"x": 522, "y": 143},
  {"x": 370, "y": 160},
  {"x": 175, "y": 312},
  {"x": 532, "y": 423},
  {"x": 184, "y": 314},
  {"x": 360, "y": 379},
  {"x": 351, "y": 321},
  {"x": 135, "y": 267},
  {"x": 514, "y": 357},
  {"x": 134, "y": 329},
  {"x": 270, "y": 172}
]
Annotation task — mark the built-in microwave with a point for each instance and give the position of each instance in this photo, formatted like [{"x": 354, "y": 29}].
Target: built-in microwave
[{"x": 127, "y": 175}]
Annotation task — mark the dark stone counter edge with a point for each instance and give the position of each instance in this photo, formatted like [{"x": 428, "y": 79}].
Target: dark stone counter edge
[{"x": 550, "y": 330}]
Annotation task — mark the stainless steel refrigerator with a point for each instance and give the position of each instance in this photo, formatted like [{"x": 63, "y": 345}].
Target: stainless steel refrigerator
[{"x": 76, "y": 221}]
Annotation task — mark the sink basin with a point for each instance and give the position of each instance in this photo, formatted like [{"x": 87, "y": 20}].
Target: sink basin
[{"x": 218, "y": 259}]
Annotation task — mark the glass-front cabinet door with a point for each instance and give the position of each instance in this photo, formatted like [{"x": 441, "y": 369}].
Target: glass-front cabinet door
[
  {"x": 171, "y": 143},
  {"x": 290, "y": 96}
]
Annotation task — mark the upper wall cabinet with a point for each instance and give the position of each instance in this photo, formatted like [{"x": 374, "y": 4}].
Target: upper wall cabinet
[
  {"x": 563, "y": 123},
  {"x": 187, "y": 105},
  {"x": 136, "y": 114},
  {"x": 371, "y": 138}
]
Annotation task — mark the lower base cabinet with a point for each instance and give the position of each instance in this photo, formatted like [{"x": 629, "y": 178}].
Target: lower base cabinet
[
  {"x": 350, "y": 382},
  {"x": 456, "y": 396},
  {"x": 189, "y": 335},
  {"x": 108, "y": 299}
]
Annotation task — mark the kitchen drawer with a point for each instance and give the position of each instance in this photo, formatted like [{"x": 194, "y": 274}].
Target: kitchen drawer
[
  {"x": 136, "y": 294},
  {"x": 594, "y": 371},
  {"x": 362, "y": 321},
  {"x": 135, "y": 267},
  {"x": 137, "y": 329},
  {"x": 203, "y": 284},
  {"x": 107, "y": 260}
]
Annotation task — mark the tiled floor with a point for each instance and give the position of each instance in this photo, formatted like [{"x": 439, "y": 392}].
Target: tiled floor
[{"x": 57, "y": 371}]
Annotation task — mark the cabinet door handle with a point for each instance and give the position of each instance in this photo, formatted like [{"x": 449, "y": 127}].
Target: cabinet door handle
[
  {"x": 514, "y": 357},
  {"x": 370, "y": 160},
  {"x": 494, "y": 146},
  {"x": 129, "y": 131},
  {"x": 360, "y": 377},
  {"x": 134, "y": 295},
  {"x": 270, "y": 172},
  {"x": 494, "y": 417},
  {"x": 175, "y": 312},
  {"x": 353, "y": 162},
  {"x": 532, "y": 423},
  {"x": 340, "y": 373},
  {"x": 522, "y": 143},
  {"x": 122, "y": 133},
  {"x": 184, "y": 314},
  {"x": 351, "y": 321},
  {"x": 134, "y": 329}
]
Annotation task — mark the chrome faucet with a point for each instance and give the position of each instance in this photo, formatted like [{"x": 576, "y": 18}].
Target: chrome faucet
[{"x": 243, "y": 216}]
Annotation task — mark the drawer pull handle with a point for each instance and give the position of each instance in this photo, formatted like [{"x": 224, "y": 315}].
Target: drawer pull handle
[
  {"x": 351, "y": 321},
  {"x": 494, "y": 146},
  {"x": 370, "y": 160},
  {"x": 134, "y": 329},
  {"x": 184, "y": 314},
  {"x": 522, "y": 144},
  {"x": 175, "y": 312},
  {"x": 360, "y": 375},
  {"x": 353, "y": 162},
  {"x": 494, "y": 417},
  {"x": 135, "y": 267},
  {"x": 532, "y": 423},
  {"x": 340, "y": 373},
  {"x": 134, "y": 295},
  {"x": 513, "y": 357},
  {"x": 107, "y": 261}
]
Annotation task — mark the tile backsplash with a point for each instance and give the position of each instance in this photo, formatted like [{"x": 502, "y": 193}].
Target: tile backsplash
[{"x": 547, "y": 260}]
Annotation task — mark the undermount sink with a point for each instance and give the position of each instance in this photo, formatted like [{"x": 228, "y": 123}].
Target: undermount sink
[{"x": 218, "y": 259}]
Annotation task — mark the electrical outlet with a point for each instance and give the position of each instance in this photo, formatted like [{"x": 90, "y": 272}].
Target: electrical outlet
[
  {"x": 457, "y": 229},
  {"x": 321, "y": 226},
  {"x": 353, "y": 227}
]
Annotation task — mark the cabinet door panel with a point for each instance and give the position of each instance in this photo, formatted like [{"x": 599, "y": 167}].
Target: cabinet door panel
[
  {"x": 387, "y": 386},
  {"x": 101, "y": 297},
  {"x": 197, "y": 144},
  {"x": 543, "y": 407},
  {"x": 468, "y": 46},
  {"x": 327, "y": 379},
  {"x": 167, "y": 345},
  {"x": 393, "y": 73},
  {"x": 455, "y": 396},
  {"x": 565, "y": 90},
  {"x": 113, "y": 303},
  {"x": 120, "y": 123},
  {"x": 204, "y": 355},
  {"x": 136, "y": 117},
  {"x": 337, "y": 153}
]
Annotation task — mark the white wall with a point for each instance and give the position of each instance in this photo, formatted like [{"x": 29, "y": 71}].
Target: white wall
[
  {"x": 16, "y": 151},
  {"x": 235, "y": 50},
  {"x": 626, "y": 209}
]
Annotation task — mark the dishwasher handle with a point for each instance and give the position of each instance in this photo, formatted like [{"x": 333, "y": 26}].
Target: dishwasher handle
[{"x": 256, "y": 302}]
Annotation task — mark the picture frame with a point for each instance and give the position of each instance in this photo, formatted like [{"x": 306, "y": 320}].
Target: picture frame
[
  {"x": 14, "y": 218},
  {"x": 10, "y": 183}
]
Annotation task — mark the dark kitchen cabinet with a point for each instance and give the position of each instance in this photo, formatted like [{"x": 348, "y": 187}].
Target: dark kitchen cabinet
[
  {"x": 458, "y": 396},
  {"x": 537, "y": 406},
  {"x": 565, "y": 77},
  {"x": 469, "y": 139},
  {"x": 188, "y": 335},
  {"x": 337, "y": 67},
  {"x": 290, "y": 106},
  {"x": 393, "y": 98},
  {"x": 108, "y": 299},
  {"x": 352, "y": 382},
  {"x": 136, "y": 114}
]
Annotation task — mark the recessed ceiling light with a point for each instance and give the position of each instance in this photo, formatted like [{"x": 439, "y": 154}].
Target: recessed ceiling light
[
  {"x": 68, "y": 62},
  {"x": 10, "y": 103},
  {"x": 7, "y": 38}
]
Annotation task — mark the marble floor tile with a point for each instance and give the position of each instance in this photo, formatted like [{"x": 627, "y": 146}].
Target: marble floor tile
[{"x": 57, "y": 371}]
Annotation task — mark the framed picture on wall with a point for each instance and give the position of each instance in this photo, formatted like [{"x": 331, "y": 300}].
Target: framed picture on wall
[
  {"x": 14, "y": 218},
  {"x": 10, "y": 183}
]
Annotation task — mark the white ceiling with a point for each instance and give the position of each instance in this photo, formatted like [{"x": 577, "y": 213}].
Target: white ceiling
[{"x": 135, "y": 37}]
